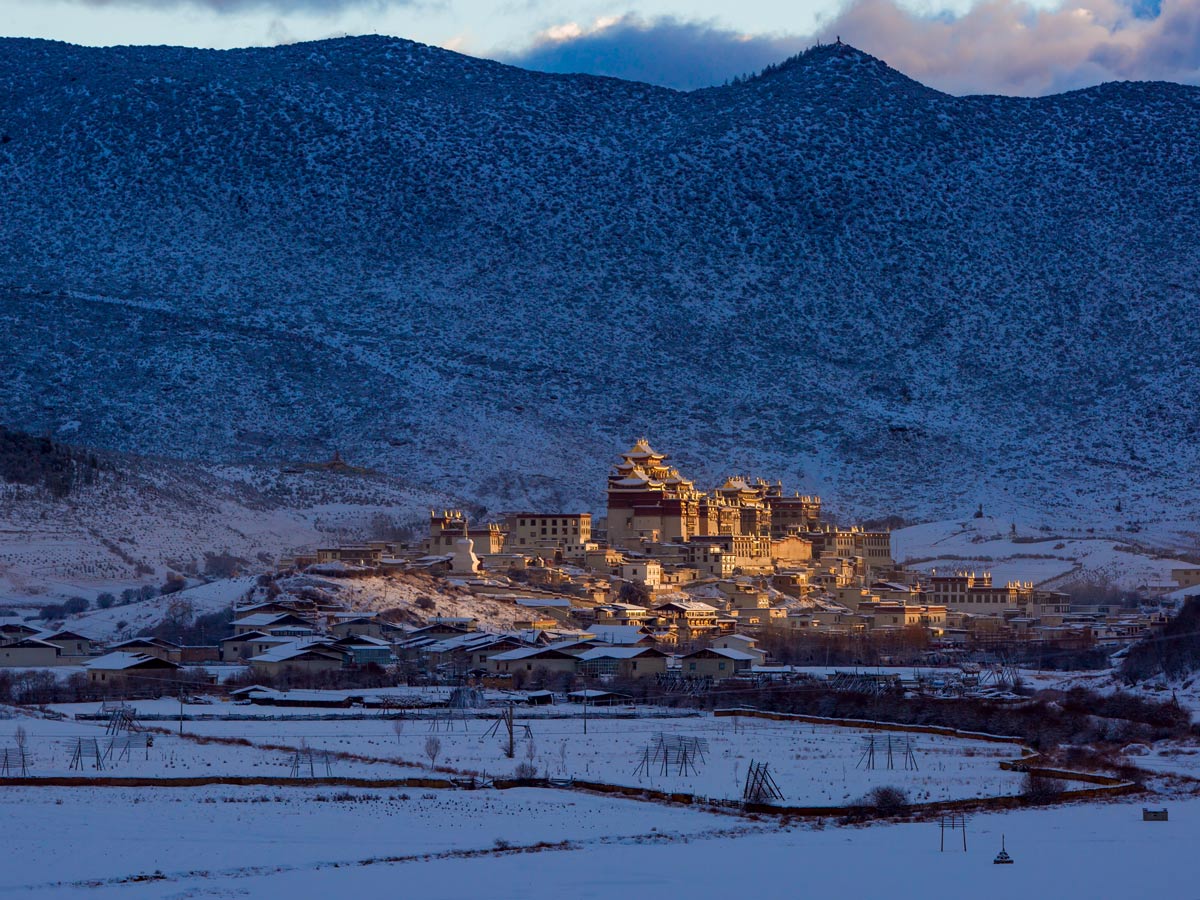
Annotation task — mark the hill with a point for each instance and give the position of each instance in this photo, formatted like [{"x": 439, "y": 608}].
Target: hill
[{"x": 487, "y": 281}]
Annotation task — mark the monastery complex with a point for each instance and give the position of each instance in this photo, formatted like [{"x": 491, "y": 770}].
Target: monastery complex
[{"x": 684, "y": 566}]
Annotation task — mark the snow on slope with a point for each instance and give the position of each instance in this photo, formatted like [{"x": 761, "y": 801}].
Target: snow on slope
[
  {"x": 1049, "y": 557},
  {"x": 146, "y": 517},
  {"x": 102, "y": 624},
  {"x": 489, "y": 281},
  {"x": 422, "y": 596}
]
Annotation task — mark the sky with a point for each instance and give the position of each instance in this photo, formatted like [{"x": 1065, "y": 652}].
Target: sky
[{"x": 1020, "y": 47}]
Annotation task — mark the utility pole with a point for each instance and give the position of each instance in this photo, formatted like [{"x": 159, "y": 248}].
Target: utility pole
[
  {"x": 585, "y": 700},
  {"x": 181, "y": 709}
]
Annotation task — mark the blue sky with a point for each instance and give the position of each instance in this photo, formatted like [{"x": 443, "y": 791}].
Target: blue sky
[{"x": 988, "y": 46}]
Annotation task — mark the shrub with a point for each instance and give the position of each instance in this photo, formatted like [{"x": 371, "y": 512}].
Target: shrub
[
  {"x": 105, "y": 600},
  {"x": 75, "y": 605},
  {"x": 174, "y": 584},
  {"x": 1041, "y": 789},
  {"x": 885, "y": 799}
]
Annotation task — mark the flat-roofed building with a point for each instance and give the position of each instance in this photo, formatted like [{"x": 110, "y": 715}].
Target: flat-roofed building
[{"x": 570, "y": 533}]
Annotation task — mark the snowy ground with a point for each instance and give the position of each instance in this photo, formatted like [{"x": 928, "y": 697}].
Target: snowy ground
[
  {"x": 1052, "y": 558},
  {"x": 118, "y": 833},
  {"x": 95, "y": 843},
  {"x": 813, "y": 765},
  {"x": 299, "y": 842},
  {"x": 148, "y": 517},
  {"x": 52, "y": 746}
]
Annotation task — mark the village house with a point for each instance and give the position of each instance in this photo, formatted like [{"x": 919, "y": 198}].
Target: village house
[
  {"x": 118, "y": 665},
  {"x": 280, "y": 624},
  {"x": 357, "y": 625},
  {"x": 16, "y": 631},
  {"x": 240, "y": 647},
  {"x": 362, "y": 650},
  {"x": 622, "y": 614},
  {"x": 623, "y": 662},
  {"x": 298, "y": 657},
  {"x": 691, "y": 618},
  {"x": 75, "y": 647},
  {"x": 533, "y": 658},
  {"x": 29, "y": 653},
  {"x": 621, "y": 635},
  {"x": 715, "y": 663},
  {"x": 646, "y": 572},
  {"x": 370, "y": 557},
  {"x": 150, "y": 646},
  {"x": 742, "y": 643},
  {"x": 1186, "y": 576}
]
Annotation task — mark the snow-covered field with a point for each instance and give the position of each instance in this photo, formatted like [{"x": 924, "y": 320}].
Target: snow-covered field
[
  {"x": 452, "y": 846},
  {"x": 813, "y": 765},
  {"x": 191, "y": 835},
  {"x": 52, "y": 746},
  {"x": 297, "y": 842},
  {"x": 1052, "y": 558}
]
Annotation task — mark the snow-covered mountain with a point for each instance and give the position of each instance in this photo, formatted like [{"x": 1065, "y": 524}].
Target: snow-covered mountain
[{"x": 488, "y": 281}]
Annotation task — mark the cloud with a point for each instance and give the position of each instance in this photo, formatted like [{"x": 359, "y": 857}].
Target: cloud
[
  {"x": 665, "y": 51},
  {"x": 1002, "y": 46},
  {"x": 237, "y": 6},
  {"x": 998, "y": 46}
]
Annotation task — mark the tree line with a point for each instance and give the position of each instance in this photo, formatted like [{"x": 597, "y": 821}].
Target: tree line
[{"x": 40, "y": 462}]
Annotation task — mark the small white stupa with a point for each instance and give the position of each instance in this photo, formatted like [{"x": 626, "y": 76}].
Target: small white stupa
[{"x": 464, "y": 561}]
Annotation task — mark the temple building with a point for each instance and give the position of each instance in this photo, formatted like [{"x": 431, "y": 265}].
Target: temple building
[{"x": 649, "y": 502}]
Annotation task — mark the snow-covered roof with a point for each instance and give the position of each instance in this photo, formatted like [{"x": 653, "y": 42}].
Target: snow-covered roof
[
  {"x": 294, "y": 650},
  {"x": 692, "y": 605},
  {"x": 31, "y": 642},
  {"x": 618, "y": 652},
  {"x": 64, "y": 635},
  {"x": 247, "y": 636},
  {"x": 728, "y": 654},
  {"x": 529, "y": 653},
  {"x": 260, "y": 620},
  {"x": 618, "y": 634},
  {"x": 145, "y": 642},
  {"x": 635, "y": 480},
  {"x": 118, "y": 661}
]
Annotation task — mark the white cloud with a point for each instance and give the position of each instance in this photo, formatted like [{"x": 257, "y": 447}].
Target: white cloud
[{"x": 997, "y": 46}]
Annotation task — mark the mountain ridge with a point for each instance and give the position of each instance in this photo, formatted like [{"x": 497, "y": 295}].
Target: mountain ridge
[{"x": 904, "y": 300}]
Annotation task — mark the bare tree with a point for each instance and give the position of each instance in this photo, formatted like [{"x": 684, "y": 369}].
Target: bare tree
[
  {"x": 433, "y": 746},
  {"x": 398, "y": 727}
]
